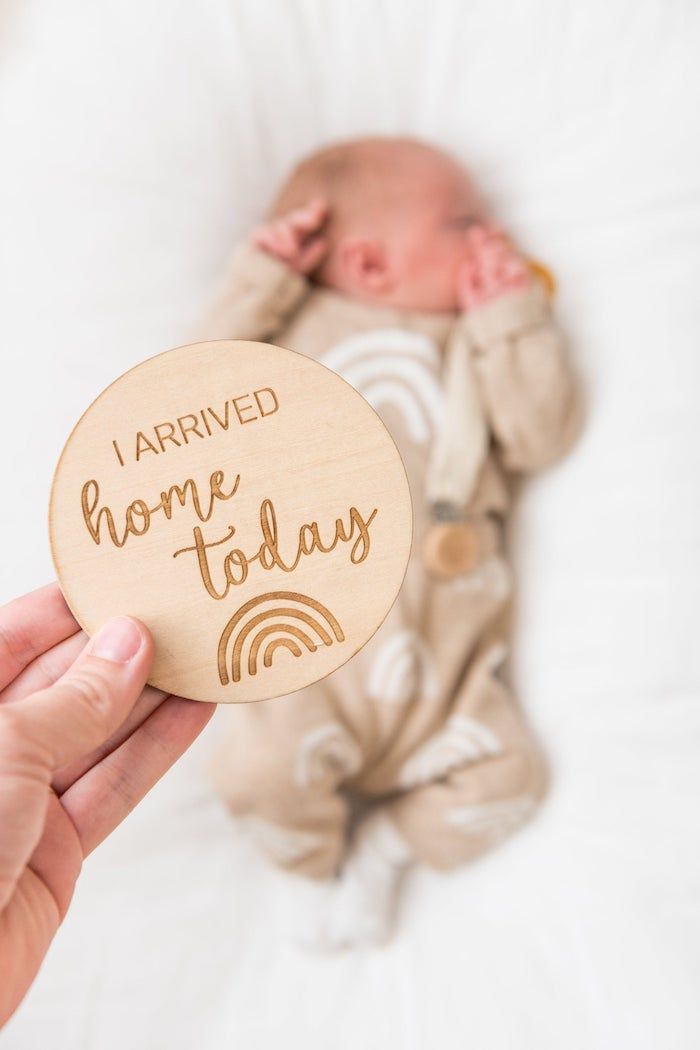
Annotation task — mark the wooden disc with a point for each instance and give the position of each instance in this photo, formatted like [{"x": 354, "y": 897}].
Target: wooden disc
[
  {"x": 244, "y": 502},
  {"x": 450, "y": 549}
]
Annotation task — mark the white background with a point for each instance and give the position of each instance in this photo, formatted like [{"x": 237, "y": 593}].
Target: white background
[{"x": 139, "y": 140}]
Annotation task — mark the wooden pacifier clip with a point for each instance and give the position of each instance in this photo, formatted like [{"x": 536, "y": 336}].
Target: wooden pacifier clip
[{"x": 452, "y": 544}]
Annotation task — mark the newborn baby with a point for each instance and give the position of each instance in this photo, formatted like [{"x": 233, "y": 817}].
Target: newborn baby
[{"x": 381, "y": 261}]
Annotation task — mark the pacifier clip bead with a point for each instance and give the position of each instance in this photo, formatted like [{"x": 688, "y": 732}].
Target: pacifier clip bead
[{"x": 451, "y": 546}]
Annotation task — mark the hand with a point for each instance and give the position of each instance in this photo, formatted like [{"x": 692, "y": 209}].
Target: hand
[
  {"x": 296, "y": 238},
  {"x": 80, "y": 745},
  {"x": 491, "y": 268}
]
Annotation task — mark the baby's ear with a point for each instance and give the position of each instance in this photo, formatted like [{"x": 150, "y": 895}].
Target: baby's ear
[{"x": 364, "y": 263}]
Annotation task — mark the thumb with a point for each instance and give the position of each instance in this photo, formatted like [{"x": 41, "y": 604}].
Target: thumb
[
  {"x": 83, "y": 708},
  {"x": 312, "y": 254}
]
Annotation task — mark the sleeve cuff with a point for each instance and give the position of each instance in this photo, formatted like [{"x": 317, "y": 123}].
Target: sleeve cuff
[
  {"x": 508, "y": 315},
  {"x": 252, "y": 269}
]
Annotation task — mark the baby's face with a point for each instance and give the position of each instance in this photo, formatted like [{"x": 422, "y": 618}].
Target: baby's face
[
  {"x": 418, "y": 221},
  {"x": 426, "y": 234}
]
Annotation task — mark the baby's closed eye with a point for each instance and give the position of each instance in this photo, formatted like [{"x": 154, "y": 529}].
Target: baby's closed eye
[{"x": 462, "y": 222}]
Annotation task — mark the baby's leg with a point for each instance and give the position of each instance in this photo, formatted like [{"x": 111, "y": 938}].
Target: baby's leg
[
  {"x": 475, "y": 781},
  {"x": 360, "y": 909},
  {"x": 467, "y": 787},
  {"x": 278, "y": 767}
]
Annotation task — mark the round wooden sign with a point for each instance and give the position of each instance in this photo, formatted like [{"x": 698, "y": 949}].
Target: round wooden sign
[{"x": 243, "y": 501}]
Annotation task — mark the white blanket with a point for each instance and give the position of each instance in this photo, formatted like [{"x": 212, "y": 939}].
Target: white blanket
[{"x": 140, "y": 139}]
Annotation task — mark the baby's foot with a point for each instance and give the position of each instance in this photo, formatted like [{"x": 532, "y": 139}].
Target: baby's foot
[
  {"x": 362, "y": 906},
  {"x": 308, "y": 905},
  {"x": 358, "y": 908}
]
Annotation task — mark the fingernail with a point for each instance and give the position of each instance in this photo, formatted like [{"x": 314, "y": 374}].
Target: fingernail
[{"x": 118, "y": 641}]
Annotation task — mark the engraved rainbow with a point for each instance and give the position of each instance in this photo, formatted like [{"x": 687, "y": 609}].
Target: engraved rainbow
[{"x": 251, "y": 624}]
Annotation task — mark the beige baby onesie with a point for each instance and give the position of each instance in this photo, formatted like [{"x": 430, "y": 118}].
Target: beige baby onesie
[{"x": 420, "y": 716}]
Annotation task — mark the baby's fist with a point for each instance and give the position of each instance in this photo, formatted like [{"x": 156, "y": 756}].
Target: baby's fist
[
  {"x": 491, "y": 268},
  {"x": 296, "y": 238}
]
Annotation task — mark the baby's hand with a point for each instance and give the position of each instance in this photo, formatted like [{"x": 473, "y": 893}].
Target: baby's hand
[
  {"x": 492, "y": 267},
  {"x": 296, "y": 238}
]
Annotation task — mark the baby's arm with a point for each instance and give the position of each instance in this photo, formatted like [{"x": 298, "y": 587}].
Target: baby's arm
[
  {"x": 526, "y": 380},
  {"x": 265, "y": 281}
]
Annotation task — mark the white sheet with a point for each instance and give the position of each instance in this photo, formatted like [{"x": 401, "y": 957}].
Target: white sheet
[{"x": 139, "y": 140}]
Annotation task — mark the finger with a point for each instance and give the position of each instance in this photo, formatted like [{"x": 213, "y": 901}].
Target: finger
[
  {"x": 284, "y": 238},
  {"x": 494, "y": 258},
  {"x": 54, "y": 726},
  {"x": 145, "y": 705},
  {"x": 29, "y": 626},
  {"x": 41, "y": 895},
  {"x": 259, "y": 238},
  {"x": 46, "y": 669},
  {"x": 276, "y": 242},
  {"x": 318, "y": 207},
  {"x": 71, "y": 718},
  {"x": 58, "y": 856},
  {"x": 310, "y": 218},
  {"x": 517, "y": 283},
  {"x": 485, "y": 239},
  {"x": 275, "y": 239},
  {"x": 505, "y": 268},
  {"x": 312, "y": 254},
  {"x": 105, "y": 795},
  {"x": 263, "y": 237},
  {"x": 515, "y": 268}
]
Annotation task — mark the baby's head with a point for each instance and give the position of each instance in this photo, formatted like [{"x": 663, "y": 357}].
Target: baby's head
[{"x": 398, "y": 215}]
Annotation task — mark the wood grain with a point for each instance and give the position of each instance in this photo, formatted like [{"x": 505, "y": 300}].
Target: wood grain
[{"x": 244, "y": 502}]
